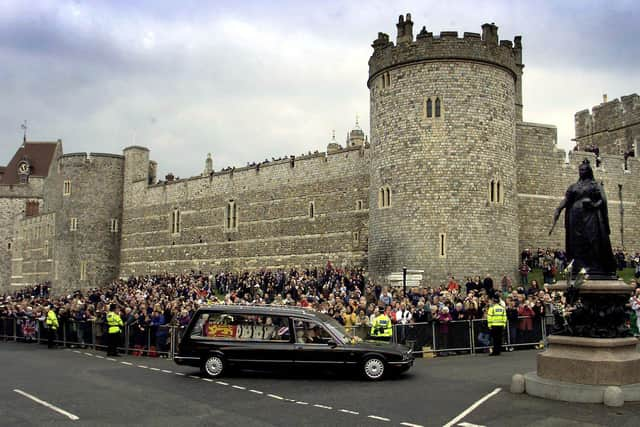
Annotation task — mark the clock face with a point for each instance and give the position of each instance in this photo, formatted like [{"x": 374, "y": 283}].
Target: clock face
[{"x": 23, "y": 168}]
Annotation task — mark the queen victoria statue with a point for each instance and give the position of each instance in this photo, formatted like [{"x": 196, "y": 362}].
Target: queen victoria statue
[{"x": 587, "y": 226}]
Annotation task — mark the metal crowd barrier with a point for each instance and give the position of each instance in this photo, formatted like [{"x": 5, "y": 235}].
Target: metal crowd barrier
[
  {"x": 468, "y": 336},
  {"x": 425, "y": 339},
  {"x": 137, "y": 340}
]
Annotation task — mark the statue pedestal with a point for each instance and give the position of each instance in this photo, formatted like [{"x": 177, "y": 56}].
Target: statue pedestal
[
  {"x": 592, "y": 361},
  {"x": 585, "y": 369},
  {"x": 598, "y": 287}
]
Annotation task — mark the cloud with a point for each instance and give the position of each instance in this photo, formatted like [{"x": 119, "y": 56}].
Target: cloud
[{"x": 248, "y": 81}]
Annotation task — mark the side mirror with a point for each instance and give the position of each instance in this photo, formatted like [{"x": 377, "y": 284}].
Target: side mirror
[{"x": 332, "y": 343}]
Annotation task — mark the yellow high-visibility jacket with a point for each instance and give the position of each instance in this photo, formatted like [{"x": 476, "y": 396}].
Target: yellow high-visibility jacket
[
  {"x": 52, "y": 320},
  {"x": 381, "y": 326},
  {"x": 114, "y": 322},
  {"x": 497, "y": 316}
]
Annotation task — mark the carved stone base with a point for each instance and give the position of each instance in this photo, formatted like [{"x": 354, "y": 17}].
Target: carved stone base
[
  {"x": 568, "y": 392},
  {"x": 592, "y": 361}
]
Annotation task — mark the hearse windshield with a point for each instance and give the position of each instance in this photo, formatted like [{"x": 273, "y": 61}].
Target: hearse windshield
[{"x": 337, "y": 329}]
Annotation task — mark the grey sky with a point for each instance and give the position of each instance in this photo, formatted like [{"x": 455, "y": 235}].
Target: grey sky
[{"x": 255, "y": 79}]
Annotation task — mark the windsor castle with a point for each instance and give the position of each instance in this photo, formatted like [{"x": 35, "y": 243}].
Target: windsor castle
[{"x": 450, "y": 181}]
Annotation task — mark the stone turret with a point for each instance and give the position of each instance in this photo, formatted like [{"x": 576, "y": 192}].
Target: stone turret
[
  {"x": 443, "y": 116},
  {"x": 208, "y": 165}
]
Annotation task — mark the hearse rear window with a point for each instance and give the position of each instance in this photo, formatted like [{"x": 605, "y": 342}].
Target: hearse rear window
[{"x": 226, "y": 326}]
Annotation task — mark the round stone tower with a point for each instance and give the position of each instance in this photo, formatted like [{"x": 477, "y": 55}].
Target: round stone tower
[
  {"x": 443, "y": 193},
  {"x": 88, "y": 220}
]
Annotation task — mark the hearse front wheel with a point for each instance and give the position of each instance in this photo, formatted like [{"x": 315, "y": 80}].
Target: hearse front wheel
[
  {"x": 373, "y": 368},
  {"x": 213, "y": 366}
]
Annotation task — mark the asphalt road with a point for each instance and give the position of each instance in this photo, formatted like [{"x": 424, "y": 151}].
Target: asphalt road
[{"x": 156, "y": 392}]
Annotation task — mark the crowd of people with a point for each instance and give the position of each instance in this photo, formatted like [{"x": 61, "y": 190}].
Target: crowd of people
[{"x": 151, "y": 305}]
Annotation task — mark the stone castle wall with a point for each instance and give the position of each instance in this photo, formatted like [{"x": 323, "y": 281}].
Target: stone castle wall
[
  {"x": 13, "y": 199},
  {"x": 613, "y": 127},
  {"x": 274, "y": 228},
  {"x": 543, "y": 178}
]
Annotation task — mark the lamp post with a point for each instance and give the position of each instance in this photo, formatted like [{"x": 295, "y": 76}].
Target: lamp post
[{"x": 404, "y": 281}]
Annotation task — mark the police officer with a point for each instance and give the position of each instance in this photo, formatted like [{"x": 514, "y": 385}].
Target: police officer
[
  {"x": 52, "y": 326},
  {"x": 497, "y": 321},
  {"x": 115, "y": 324},
  {"x": 381, "y": 327}
]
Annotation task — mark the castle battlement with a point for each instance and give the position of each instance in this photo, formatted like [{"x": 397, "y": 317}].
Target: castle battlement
[
  {"x": 484, "y": 47},
  {"x": 608, "y": 116},
  {"x": 613, "y": 126},
  {"x": 290, "y": 162}
]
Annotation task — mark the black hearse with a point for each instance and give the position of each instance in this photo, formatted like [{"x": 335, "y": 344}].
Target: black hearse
[{"x": 222, "y": 336}]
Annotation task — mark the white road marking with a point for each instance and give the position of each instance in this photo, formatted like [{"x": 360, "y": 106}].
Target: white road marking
[
  {"x": 239, "y": 387},
  {"x": 190, "y": 376},
  {"x": 256, "y": 392},
  {"x": 127, "y": 363},
  {"x": 76, "y": 351},
  {"x": 179, "y": 373},
  {"x": 110, "y": 359},
  {"x": 466, "y": 424},
  {"x": 155, "y": 369},
  {"x": 221, "y": 383},
  {"x": 411, "y": 425},
  {"x": 143, "y": 366},
  {"x": 166, "y": 371},
  {"x": 322, "y": 406},
  {"x": 375, "y": 417},
  {"x": 290, "y": 400},
  {"x": 209, "y": 380},
  {"x": 346, "y": 411},
  {"x": 48, "y": 405},
  {"x": 301, "y": 403},
  {"x": 472, "y": 408},
  {"x": 88, "y": 354},
  {"x": 99, "y": 357},
  {"x": 275, "y": 396}
]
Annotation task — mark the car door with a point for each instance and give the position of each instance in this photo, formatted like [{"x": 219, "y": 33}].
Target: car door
[
  {"x": 260, "y": 341},
  {"x": 314, "y": 345}
]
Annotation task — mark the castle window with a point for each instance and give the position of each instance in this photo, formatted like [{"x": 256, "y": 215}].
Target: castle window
[
  {"x": 175, "y": 221},
  {"x": 312, "y": 210},
  {"x": 113, "y": 226},
  {"x": 231, "y": 216},
  {"x": 437, "y": 107},
  {"x": 9, "y": 246},
  {"x": 83, "y": 270},
  {"x": 66, "y": 191},
  {"x": 442, "y": 243},
  {"x": 359, "y": 205},
  {"x": 45, "y": 248},
  {"x": 384, "y": 197},
  {"x": 388, "y": 76},
  {"x": 73, "y": 225},
  {"x": 429, "y": 108},
  {"x": 498, "y": 193},
  {"x": 356, "y": 236},
  {"x": 492, "y": 191}
]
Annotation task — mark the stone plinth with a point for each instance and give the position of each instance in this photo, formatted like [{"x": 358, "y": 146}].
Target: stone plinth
[
  {"x": 590, "y": 361},
  {"x": 608, "y": 287}
]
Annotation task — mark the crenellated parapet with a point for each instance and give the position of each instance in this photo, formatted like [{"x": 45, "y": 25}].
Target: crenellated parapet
[
  {"x": 612, "y": 127},
  {"x": 448, "y": 45}
]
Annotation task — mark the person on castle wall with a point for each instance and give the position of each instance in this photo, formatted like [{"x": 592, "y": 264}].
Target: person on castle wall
[{"x": 587, "y": 225}]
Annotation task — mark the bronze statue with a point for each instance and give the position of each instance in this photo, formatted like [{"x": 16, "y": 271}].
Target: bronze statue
[{"x": 587, "y": 229}]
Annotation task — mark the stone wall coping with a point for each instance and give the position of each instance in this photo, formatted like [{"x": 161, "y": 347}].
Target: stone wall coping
[
  {"x": 80, "y": 154},
  {"x": 284, "y": 161},
  {"x": 537, "y": 125},
  {"x": 135, "y": 147}
]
